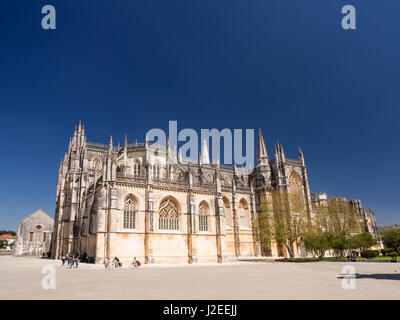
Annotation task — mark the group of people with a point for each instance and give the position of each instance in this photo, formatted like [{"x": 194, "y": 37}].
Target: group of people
[
  {"x": 136, "y": 263},
  {"x": 72, "y": 260},
  {"x": 116, "y": 263}
]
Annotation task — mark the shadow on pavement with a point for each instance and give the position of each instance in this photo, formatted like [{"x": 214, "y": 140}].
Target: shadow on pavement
[{"x": 378, "y": 276}]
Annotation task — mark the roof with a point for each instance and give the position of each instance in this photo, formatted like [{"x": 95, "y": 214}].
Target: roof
[
  {"x": 6, "y": 236},
  {"x": 40, "y": 211}
]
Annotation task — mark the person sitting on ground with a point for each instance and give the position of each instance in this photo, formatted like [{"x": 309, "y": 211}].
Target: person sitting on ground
[{"x": 117, "y": 262}]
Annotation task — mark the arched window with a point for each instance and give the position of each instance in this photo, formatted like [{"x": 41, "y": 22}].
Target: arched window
[
  {"x": 136, "y": 169},
  {"x": 244, "y": 218},
  {"x": 203, "y": 216},
  {"x": 156, "y": 171},
  {"x": 168, "y": 215},
  {"x": 130, "y": 213},
  {"x": 228, "y": 214}
]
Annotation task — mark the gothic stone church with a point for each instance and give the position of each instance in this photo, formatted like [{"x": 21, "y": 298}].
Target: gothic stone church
[{"x": 140, "y": 200}]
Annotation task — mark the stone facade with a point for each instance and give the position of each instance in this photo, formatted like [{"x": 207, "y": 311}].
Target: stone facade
[
  {"x": 140, "y": 200},
  {"x": 34, "y": 235},
  {"x": 367, "y": 216}
]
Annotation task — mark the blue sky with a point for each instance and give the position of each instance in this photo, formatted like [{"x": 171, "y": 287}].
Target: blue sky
[{"x": 124, "y": 67}]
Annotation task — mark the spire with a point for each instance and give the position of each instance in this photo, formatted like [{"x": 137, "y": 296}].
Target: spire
[
  {"x": 80, "y": 127},
  {"x": 110, "y": 146},
  {"x": 279, "y": 153},
  {"x": 125, "y": 141},
  {"x": 83, "y": 138},
  {"x": 205, "y": 158},
  {"x": 180, "y": 156},
  {"x": 69, "y": 146},
  {"x": 301, "y": 156},
  {"x": 276, "y": 152},
  {"x": 74, "y": 139},
  {"x": 262, "y": 154},
  {"x": 282, "y": 153}
]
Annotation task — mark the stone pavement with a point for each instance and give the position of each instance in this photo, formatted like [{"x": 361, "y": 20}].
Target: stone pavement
[{"x": 21, "y": 278}]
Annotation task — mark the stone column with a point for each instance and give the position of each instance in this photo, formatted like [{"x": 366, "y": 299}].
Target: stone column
[
  {"x": 254, "y": 216},
  {"x": 191, "y": 219},
  {"x": 236, "y": 227},
  {"x": 149, "y": 218},
  {"x": 219, "y": 216}
]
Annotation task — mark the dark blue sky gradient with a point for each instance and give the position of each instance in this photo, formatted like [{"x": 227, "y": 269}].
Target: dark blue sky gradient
[{"x": 122, "y": 66}]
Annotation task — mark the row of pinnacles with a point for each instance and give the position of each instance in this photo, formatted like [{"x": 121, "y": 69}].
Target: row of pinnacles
[{"x": 141, "y": 200}]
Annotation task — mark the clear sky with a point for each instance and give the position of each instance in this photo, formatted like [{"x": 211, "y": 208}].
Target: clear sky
[{"x": 124, "y": 67}]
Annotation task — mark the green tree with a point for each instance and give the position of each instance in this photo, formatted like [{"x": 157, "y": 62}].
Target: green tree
[
  {"x": 282, "y": 219},
  {"x": 362, "y": 241},
  {"x": 3, "y": 244},
  {"x": 317, "y": 242},
  {"x": 342, "y": 218},
  {"x": 7, "y": 232},
  {"x": 339, "y": 244},
  {"x": 391, "y": 239}
]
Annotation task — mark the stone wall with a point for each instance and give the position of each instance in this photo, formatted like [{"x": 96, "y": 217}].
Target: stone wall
[{"x": 34, "y": 235}]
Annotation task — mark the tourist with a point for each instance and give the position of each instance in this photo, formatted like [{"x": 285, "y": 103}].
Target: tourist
[
  {"x": 117, "y": 263},
  {"x": 63, "y": 260},
  {"x": 76, "y": 261},
  {"x": 71, "y": 261}
]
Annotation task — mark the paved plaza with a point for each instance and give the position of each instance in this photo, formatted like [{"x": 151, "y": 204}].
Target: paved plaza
[{"x": 21, "y": 278}]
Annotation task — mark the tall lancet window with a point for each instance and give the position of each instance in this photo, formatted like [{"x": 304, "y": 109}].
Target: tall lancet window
[
  {"x": 203, "y": 216},
  {"x": 136, "y": 169},
  {"x": 130, "y": 209},
  {"x": 296, "y": 192},
  {"x": 244, "y": 217},
  {"x": 168, "y": 215},
  {"x": 156, "y": 171}
]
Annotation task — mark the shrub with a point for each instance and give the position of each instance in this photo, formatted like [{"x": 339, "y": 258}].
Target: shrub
[
  {"x": 386, "y": 251},
  {"x": 369, "y": 254},
  {"x": 393, "y": 254}
]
